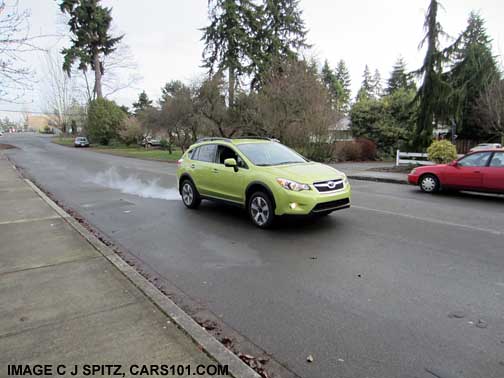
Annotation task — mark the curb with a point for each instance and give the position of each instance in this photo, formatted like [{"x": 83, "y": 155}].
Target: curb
[
  {"x": 217, "y": 351},
  {"x": 378, "y": 179}
]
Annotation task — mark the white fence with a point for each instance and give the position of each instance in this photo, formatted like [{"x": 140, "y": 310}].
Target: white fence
[
  {"x": 418, "y": 158},
  {"x": 412, "y": 158}
]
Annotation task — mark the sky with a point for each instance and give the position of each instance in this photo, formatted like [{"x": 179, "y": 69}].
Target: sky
[{"x": 164, "y": 37}]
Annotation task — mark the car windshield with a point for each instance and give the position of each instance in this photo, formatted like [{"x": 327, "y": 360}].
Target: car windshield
[{"x": 265, "y": 154}]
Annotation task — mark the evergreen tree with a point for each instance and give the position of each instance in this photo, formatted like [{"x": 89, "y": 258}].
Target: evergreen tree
[
  {"x": 169, "y": 90},
  {"x": 143, "y": 103},
  {"x": 333, "y": 86},
  {"x": 281, "y": 34},
  {"x": 230, "y": 39},
  {"x": 399, "y": 78},
  {"x": 473, "y": 70},
  {"x": 90, "y": 26},
  {"x": 434, "y": 91},
  {"x": 377, "y": 84},
  {"x": 366, "y": 89},
  {"x": 343, "y": 77}
]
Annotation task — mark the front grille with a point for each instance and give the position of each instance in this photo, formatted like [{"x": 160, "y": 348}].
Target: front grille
[
  {"x": 329, "y": 185},
  {"x": 324, "y": 206}
]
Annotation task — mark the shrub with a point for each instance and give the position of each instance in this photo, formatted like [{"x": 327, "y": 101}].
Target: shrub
[
  {"x": 442, "y": 152},
  {"x": 104, "y": 121},
  {"x": 345, "y": 151},
  {"x": 131, "y": 132},
  {"x": 318, "y": 151},
  {"x": 368, "y": 149}
]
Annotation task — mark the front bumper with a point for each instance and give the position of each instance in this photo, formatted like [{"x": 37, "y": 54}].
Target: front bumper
[
  {"x": 311, "y": 201},
  {"x": 413, "y": 179}
]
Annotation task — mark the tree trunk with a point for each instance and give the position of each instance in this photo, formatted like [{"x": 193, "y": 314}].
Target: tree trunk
[
  {"x": 231, "y": 86},
  {"x": 98, "y": 75}
]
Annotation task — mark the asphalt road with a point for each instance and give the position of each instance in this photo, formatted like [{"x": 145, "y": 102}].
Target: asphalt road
[{"x": 403, "y": 284}]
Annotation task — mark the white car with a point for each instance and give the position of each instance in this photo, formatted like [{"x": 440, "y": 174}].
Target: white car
[{"x": 485, "y": 146}]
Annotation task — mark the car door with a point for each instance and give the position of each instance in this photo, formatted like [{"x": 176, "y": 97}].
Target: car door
[
  {"x": 229, "y": 183},
  {"x": 468, "y": 172},
  {"x": 493, "y": 176},
  {"x": 203, "y": 160}
]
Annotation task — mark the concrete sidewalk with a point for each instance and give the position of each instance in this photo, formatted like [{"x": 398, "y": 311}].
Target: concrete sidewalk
[
  {"x": 364, "y": 171},
  {"x": 63, "y": 302}
]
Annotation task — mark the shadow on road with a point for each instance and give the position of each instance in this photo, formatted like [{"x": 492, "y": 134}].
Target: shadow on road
[{"x": 237, "y": 217}]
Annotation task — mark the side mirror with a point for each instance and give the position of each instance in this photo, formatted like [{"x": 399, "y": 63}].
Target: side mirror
[
  {"x": 454, "y": 163},
  {"x": 231, "y": 163}
]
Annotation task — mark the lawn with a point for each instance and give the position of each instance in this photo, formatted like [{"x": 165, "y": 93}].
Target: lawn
[{"x": 132, "y": 151}]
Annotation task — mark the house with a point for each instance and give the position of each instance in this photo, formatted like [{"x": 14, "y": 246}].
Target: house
[
  {"x": 341, "y": 130},
  {"x": 40, "y": 123}
]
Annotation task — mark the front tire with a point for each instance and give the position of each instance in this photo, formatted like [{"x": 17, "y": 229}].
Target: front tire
[
  {"x": 190, "y": 196},
  {"x": 429, "y": 184},
  {"x": 260, "y": 209}
]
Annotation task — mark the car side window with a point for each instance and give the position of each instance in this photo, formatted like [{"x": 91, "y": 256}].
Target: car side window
[
  {"x": 207, "y": 153},
  {"x": 497, "y": 160},
  {"x": 475, "y": 160},
  {"x": 224, "y": 152},
  {"x": 193, "y": 155}
]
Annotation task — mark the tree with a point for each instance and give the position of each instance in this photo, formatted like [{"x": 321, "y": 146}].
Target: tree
[
  {"x": 230, "y": 40},
  {"x": 104, "y": 121},
  {"x": 474, "y": 68},
  {"x": 389, "y": 121},
  {"x": 434, "y": 92},
  {"x": 489, "y": 108},
  {"x": 343, "y": 77},
  {"x": 366, "y": 90},
  {"x": 89, "y": 24},
  {"x": 281, "y": 35},
  {"x": 169, "y": 90},
  {"x": 15, "y": 78},
  {"x": 399, "y": 78},
  {"x": 58, "y": 90},
  {"x": 143, "y": 103},
  {"x": 293, "y": 106},
  {"x": 333, "y": 86},
  {"x": 377, "y": 87}
]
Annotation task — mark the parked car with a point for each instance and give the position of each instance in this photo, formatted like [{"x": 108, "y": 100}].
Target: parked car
[
  {"x": 261, "y": 175},
  {"x": 1, "y": 133},
  {"x": 150, "y": 142},
  {"x": 81, "y": 142},
  {"x": 481, "y": 171},
  {"x": 485, "y": 146}
]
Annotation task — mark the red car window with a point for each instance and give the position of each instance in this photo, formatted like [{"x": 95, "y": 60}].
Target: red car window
[
  {"x": 497, "y": 160},
  {"x": 475, "y": 160}
]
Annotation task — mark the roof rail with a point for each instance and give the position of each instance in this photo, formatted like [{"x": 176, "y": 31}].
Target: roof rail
[
  {"x": 258, "y": 137},
  {"x": 207, "y": 139}
]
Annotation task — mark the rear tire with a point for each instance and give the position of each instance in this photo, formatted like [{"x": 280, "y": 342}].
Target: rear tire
[
  {"x": 429, "y": 183},
  {"x": 260, "y": 209},
  {"x": 190, "y": 196}
]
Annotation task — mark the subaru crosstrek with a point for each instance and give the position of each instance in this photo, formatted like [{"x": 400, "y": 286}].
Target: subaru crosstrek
[{"x": 261, "y": 175}]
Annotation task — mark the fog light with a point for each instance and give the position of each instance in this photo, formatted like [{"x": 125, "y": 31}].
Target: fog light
[{"x": 293, "y": 205}]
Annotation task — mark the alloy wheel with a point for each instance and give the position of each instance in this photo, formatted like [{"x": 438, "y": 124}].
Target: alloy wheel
[{"x": 260, "y": 210}]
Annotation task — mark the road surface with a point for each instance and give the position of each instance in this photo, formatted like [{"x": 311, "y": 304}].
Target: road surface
[{"x": 403, "y": 284}]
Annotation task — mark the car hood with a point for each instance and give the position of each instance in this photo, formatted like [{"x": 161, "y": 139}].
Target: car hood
[{"x": 306, "y": 173}]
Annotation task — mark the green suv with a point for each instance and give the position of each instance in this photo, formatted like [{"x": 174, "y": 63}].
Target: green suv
[{"x": 261, "y": 175}]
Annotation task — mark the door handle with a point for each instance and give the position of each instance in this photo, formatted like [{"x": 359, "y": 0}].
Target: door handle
[
  {"x": 193, "y": 166},
  {"x": 215, "y": 170},
  {"x": 477, "y": 171}
]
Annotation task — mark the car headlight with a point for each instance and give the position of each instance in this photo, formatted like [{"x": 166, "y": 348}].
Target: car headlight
[
  {"x": 292, "y": 185},
  {"x": 413, "y": 171},
  {"x": 345, "y": 180}
]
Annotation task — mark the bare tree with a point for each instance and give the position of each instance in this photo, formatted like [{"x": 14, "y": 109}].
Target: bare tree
[
  {"x": 490, "y": 108},
  {"x": 59, "y": 90},
  {"x": 15, "y": 79}
]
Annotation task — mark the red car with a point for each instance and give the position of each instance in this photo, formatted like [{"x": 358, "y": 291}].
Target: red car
[{"x": 480, "y": 171}]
